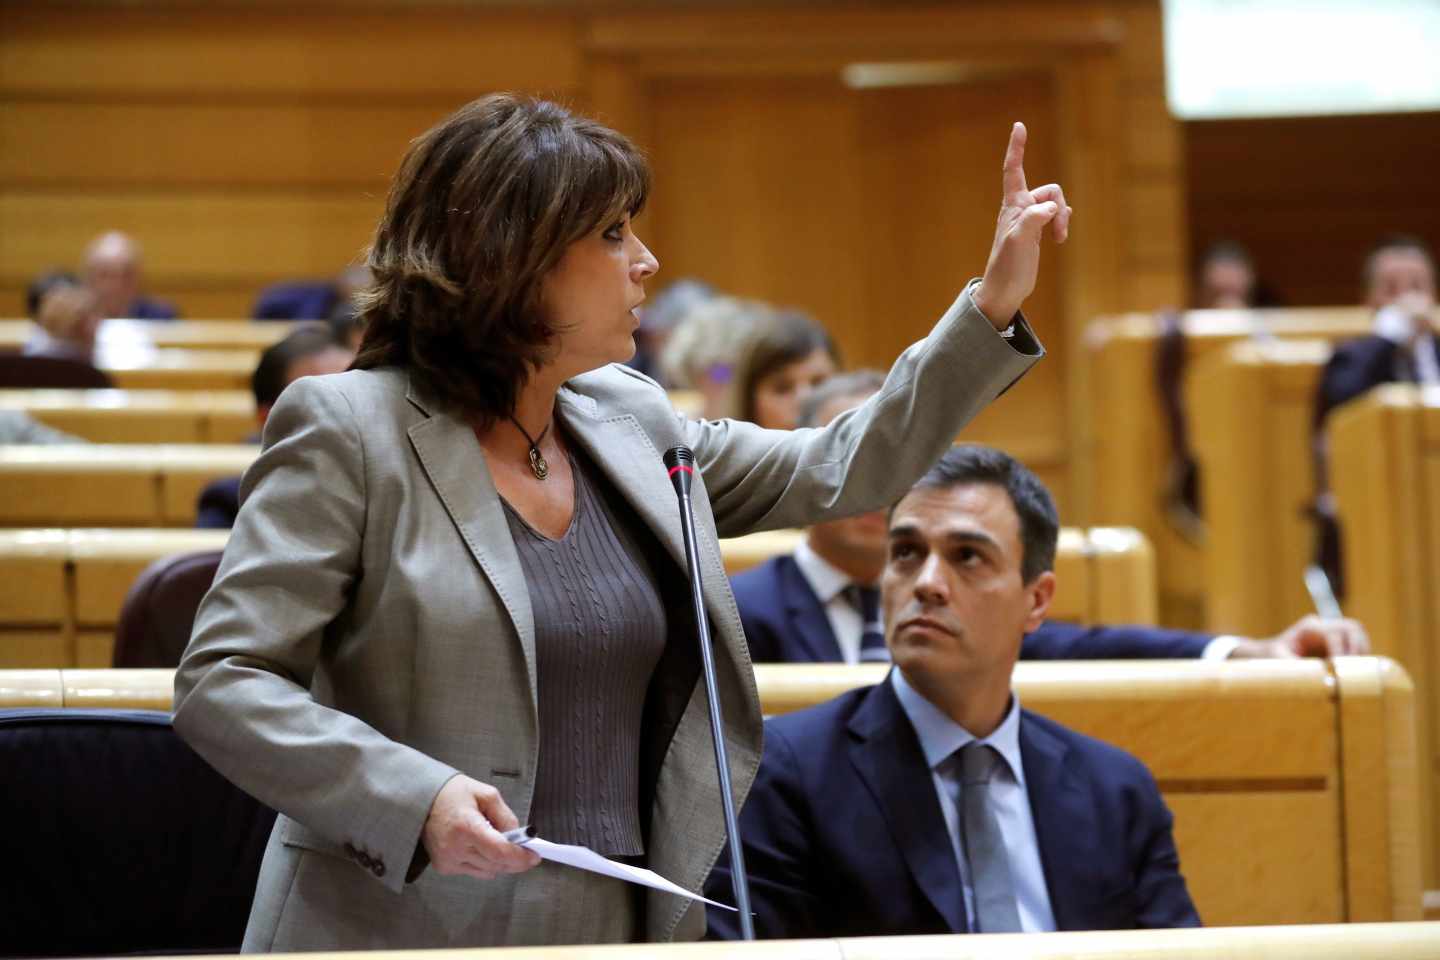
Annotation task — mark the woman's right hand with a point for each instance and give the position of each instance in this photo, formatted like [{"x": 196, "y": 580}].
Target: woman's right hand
[{"x": 462, "y": 834}]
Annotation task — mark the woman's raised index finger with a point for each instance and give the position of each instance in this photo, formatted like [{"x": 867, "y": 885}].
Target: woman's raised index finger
[{"x": 1014, "y": 173}]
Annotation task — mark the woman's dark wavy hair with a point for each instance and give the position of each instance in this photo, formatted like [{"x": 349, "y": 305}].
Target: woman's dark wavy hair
[{"x": 483, "y": 207}]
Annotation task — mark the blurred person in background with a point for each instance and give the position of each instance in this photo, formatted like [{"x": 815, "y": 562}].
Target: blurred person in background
[
  {"x": 1226, "y": 278},
  {"x": 114, "y": 271},
  {"x": 702, "y": 350},
  {"x": 18, "y": 427},
  {"x": 786, "y": 356},
  {"x": 659, "y": 316},
  {"x": 1399, "y": 283},
  {"x": 67, "y": 320},
  {"x": 42, "y": 284}
]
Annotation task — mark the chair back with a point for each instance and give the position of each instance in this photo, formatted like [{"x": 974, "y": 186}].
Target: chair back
[
  {"x": 18, "y": 371},
  {"x": 120, "y": 839},
  {"x": 159, "y": 611}
]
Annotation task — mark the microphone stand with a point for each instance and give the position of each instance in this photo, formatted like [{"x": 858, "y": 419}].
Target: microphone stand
[{"x": 680, "y": 462}]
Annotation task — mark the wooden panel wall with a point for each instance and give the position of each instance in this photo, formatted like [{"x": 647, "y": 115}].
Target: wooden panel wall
[
  {"x": 239, "y": 148},
  {"x": 1309, "y": 195},
  {"x": 243, "y": 145}
]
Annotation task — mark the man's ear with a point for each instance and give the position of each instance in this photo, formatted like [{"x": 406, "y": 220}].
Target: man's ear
[{"x": 1041, "y": 591}]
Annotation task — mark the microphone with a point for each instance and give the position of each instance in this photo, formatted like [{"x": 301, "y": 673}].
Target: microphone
[{"x": 680, "y": 462}]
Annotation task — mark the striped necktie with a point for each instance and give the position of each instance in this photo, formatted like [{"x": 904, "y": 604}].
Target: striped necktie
[{"x": 866, "y": 601}]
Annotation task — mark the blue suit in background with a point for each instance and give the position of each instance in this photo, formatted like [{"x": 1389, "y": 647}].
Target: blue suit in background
[
  {"x": 844, "y": 835},
  {"x": 145, "y": 308},
  {"x": 785, "y": 623},
  {"x": 314, "y": 300}
]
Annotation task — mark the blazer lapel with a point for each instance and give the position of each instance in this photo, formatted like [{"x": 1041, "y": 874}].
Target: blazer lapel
[
  {"x": 1065, "y": 825},
  {"x": 887, "y": 756},
  {"x": 453, "y": 461},
  {"x": 810, "y": 624},
  {"x": 630, "y": 461}
]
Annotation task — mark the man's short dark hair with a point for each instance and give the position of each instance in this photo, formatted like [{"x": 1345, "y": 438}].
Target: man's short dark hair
[
  {"x": 853, "y": 384},
  {"x": 969, "y": 463},
  {"x": 305, "y": 340}
]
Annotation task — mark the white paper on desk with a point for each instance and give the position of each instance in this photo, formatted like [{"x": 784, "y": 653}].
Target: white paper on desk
[{"x": 587, "y": 859}]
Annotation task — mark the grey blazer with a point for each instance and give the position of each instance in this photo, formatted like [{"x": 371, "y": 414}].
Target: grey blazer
[{"x": 369, "y": 633}]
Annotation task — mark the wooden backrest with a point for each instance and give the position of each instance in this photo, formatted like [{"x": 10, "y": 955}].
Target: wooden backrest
[
  {"x": 140, "y": 416},
  {"x": 1122, "y": 443},
  {"x": 115, "y": 485},
  {"x": 175, "y": 368},
  {"x": 61, "y": 589},
  {"x": 1385, "y": 473},
  {"x": 1251, "y": 405},
  {"x": 1292, "y": 783}
]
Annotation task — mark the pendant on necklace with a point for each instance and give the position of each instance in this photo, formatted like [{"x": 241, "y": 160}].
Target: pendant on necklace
[{"x": 538, "y": 465}]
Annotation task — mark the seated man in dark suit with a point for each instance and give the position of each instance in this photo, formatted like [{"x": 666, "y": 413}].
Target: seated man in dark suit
[
  {"x": 931, "y": 802},
  {"x": 1399, "y": 276},
  {"x": 821, "y": 603},
  {"x": 310, "y": 349}
]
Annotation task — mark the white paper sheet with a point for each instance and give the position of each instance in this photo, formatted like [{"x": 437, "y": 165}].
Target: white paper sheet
[{"x": 586, "y": 859}]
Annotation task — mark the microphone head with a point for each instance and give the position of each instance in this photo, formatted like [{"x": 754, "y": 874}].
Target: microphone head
[
  {"x": 679, "y": 457},
  {"x": 680, "y": 464}
]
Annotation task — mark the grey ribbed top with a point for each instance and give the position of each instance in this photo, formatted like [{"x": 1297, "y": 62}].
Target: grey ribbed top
[{"x": 599, "y": 631}]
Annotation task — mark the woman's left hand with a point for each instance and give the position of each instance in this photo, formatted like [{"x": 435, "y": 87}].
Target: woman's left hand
[{"x": 1015, "y": 255}]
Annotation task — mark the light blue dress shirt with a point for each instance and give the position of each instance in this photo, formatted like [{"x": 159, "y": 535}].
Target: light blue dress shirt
[{"x": 940, "y": 739}]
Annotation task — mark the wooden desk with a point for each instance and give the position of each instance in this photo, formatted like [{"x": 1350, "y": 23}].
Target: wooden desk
[
  {"x": 1385, "y": 472},
  {"x": 1121, "y": 444},
  {"x": 1251, "y": 405}
]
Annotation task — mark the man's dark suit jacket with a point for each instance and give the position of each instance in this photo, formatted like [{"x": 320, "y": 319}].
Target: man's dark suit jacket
[
  {"x": 219, "y": 504},
  {"x": 785, "y": 623},
  {"x": 843, "y": 833},
  {"x": 1356, "y": 367},
  {"x": 144, "y": 308},
  {"x": 297, "y": 301}
]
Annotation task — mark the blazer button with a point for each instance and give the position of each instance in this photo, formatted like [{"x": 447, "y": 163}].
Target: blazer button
[{"x": 377, "y": 868}]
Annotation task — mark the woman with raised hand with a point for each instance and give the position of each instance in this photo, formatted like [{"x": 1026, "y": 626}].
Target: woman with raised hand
[{"x": 453, "y": 601}]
